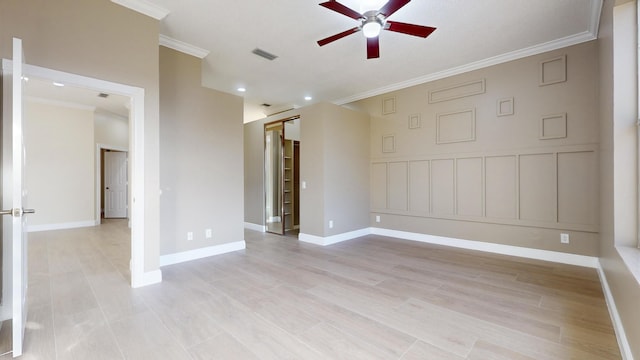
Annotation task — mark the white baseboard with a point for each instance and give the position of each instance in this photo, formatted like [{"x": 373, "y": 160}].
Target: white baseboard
[
  {"x": 546, "y": 255},
  {"x": 147, "y": 278},
  {"x": 255, "y": 227},
  {"x": 329, "y": 240},
  {"x": 61, "y": 226},
  {"x": 623, "y": 343},
  {"x": 195, "y": 254}
]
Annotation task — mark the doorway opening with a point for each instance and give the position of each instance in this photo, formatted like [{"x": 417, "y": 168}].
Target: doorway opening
[
  {"x": 282, "y": 176},
  {"x": 112, "y": 164},
  {"x": 135, "y": 196}
]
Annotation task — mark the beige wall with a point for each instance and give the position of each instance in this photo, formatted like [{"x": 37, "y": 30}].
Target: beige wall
[
  {"x": 59, "y": 172},
  {"x": 103, "y": 40},
  {"x": 334, "y": 164},
  {"x": 618, "y": 215},
  {"x": 201, "y": 158},
  {"x": 111, "y": 130},
  {"x": 448, "y": 158}
]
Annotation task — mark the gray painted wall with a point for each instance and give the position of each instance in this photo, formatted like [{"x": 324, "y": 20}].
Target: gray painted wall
[
  {"x": 506, "y": 154},
  {"x": 201, "y": 156}
]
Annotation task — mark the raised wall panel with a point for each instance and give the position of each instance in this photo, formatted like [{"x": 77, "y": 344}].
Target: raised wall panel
[
  {"x": 456, "y": 126},
  {"x": 379, "y": 185},
  {"x": 388, "y": 105},
  {"x": 414, "y": 121},
  {"x": 398, "y": 187},
  {"x": 469, "y": 187},
  {"x": 388, "y": 143},
  {"x": 553, "y": 126},
  {"x": 538, "y": 201},
  {"x": 553, "y": 71},
  {"x": 442, "y": 186},
  {"x": 577, "y": 184},
  {"x": 457, "y": 91},
  {"x": 501, "y": 197},
  {"x": 504, "y": 107},
  {"x": 419, "y": 186}
]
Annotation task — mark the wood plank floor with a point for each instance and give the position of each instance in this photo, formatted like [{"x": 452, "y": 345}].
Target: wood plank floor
[{"x": 368, "y": 298}]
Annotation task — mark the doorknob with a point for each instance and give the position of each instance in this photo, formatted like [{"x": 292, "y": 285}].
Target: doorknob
[{"x": 17, "y": 212}]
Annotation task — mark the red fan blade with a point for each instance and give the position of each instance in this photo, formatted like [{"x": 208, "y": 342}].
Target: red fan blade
[
  {"x": 410, "y": 29},
  {"x": 338, "y": 36},
  {"x": 392, "y": 6},
  {"x": 339, "y": 8},
  {"x": 373, "y": 48}
]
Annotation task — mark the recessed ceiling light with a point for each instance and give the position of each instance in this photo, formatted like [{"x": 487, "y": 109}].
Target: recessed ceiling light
[
  {"x": 308, "y": 98},
  {"x": 241, "y": 89},
  {"x": 55, "y": 83}
]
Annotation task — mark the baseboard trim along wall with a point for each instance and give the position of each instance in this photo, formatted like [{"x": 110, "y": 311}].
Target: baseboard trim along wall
[
  {"x": 329, "y": 240},
  {"x": 148, "y": 278},
  {"x": 623, "y": 343},
  {"x": 61, "y": 226},
  {"x": 195, "y": 254},
  {"x": 255, "y": 227},
  {"x": 546, "y": 255}
]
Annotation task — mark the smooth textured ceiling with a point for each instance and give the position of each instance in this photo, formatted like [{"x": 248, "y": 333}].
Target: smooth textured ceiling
[{"x": 470, "y": 34}]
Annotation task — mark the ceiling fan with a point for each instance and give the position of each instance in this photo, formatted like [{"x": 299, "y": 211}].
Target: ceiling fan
[{"x": 372, "y": 22}]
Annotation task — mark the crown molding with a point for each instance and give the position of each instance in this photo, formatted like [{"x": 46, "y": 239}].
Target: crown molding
[
  {"x": 183, "y": 47},
  {"x": 144, "y": 7},
  {"x": 587, "y": 35}
]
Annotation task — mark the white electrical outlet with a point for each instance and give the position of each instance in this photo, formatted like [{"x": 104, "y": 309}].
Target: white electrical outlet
[
  {"x": 330, "y": 224},
  {"x": 564, "y": 238},
  {"x": 207, "y": 233},
  {"x": 190, "y": 236},
  {"x": 377, "y": 218}
]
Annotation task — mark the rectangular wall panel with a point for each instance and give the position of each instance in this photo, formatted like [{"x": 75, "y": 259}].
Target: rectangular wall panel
[
  {"x": 397, "y": 188},
  {"x": 379, "y": 186},
  {"x": 419, "y": 186},
  {"x": 501, "y": 187},
  {"x": 458, "y": 91},
  {"x": 442, "y": 186},
  {"x": 538, "y": 183},
  {"x": 469, "y": 186},
  {"x": 577, "y": 184}
]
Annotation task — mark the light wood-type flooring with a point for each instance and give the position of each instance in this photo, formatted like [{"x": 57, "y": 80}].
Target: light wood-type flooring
[{"x": 368, "y": 298}]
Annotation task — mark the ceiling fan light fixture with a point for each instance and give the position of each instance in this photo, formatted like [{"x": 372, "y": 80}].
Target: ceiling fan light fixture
[{"x": 371, "y": 28}]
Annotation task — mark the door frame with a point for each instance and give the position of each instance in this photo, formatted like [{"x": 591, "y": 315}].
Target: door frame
[
  {"x": 99, "y": 148},
  {"x": 136, "y": 157}
]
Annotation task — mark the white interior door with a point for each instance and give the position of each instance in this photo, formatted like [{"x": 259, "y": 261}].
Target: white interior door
[
  {"x": 115, "y": 184},
  {"x": 13, "y": 192}
]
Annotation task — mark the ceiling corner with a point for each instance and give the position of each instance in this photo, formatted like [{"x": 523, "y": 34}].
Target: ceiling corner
[
  {"x": 596, "y": 10},
  {"x": 144, "y": 7},
  {"x": 183, "y": 47}
]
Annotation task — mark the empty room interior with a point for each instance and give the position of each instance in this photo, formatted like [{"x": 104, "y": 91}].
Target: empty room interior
[{"x": 351, "y": 179}]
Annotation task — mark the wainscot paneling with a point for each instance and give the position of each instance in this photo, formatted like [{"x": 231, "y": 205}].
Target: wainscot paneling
[{"x": 551, "y": 188}]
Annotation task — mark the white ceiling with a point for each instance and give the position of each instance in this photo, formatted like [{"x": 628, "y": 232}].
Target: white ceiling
[
  {"x": 45, "y": 91},
  {"x": 470, "y": 34}
]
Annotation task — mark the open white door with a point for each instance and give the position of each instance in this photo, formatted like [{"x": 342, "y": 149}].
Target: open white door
[
  {"x": 13, "y": 192},
  {"x": 115, "y": 184}
]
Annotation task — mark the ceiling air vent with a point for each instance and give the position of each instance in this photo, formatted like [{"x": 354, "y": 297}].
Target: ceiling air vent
[
  {"x": 264, "y": 54},
  {"x": 103, "y": 95},
  {"x": 266, "y": 105}
]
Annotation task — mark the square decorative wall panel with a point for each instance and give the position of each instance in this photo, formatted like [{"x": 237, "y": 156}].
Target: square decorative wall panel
[
  {"x": 456, "y": 126},
  {"x": 553, "y": 71},
  {"x": 414, "y": 121},
  {"x": 388, "y": 143},
  {"x": 553, "y": 126},
  {"x": 457, "y": 91},
  {"x": 388, "y": 105},
  {"x": 504, "y": 107}
]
